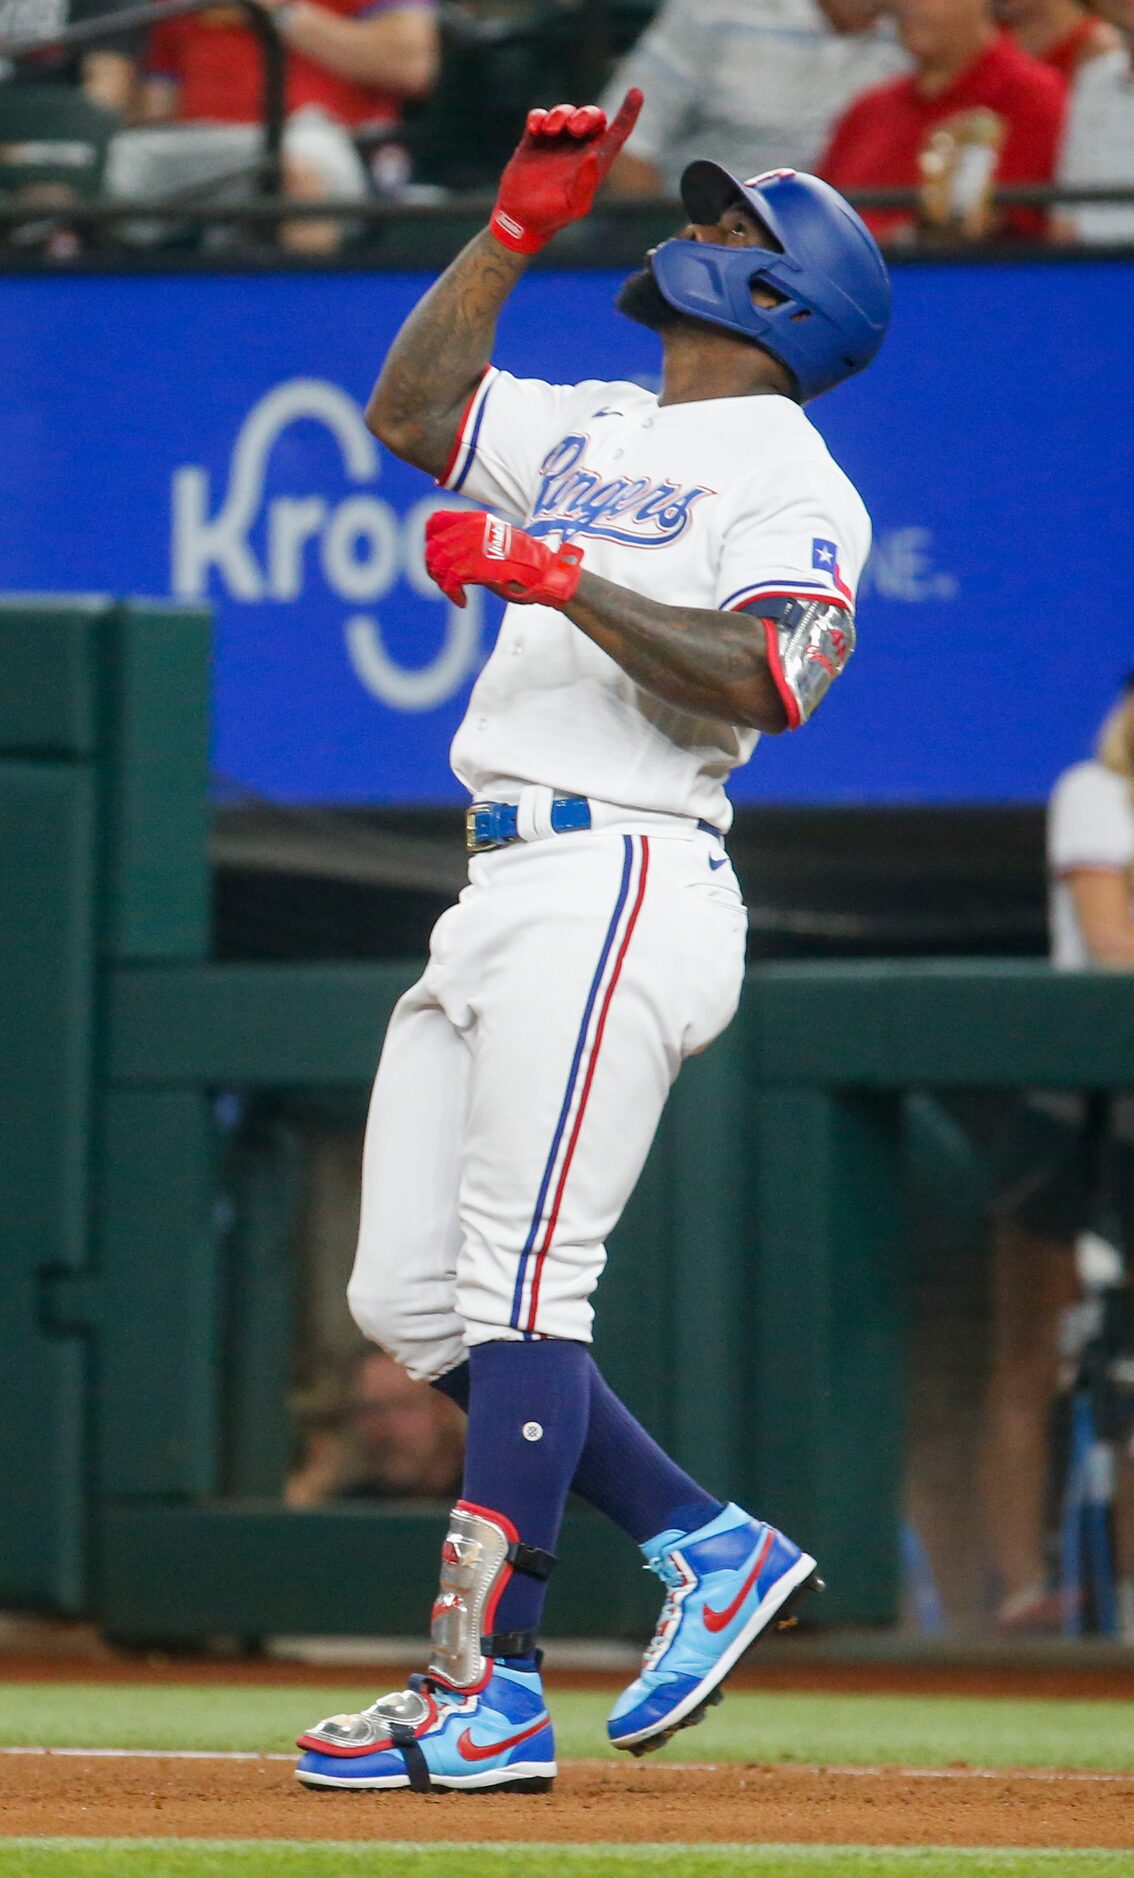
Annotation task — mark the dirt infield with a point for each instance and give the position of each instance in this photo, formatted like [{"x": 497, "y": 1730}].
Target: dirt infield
[{"x": 47, "y": 1795}]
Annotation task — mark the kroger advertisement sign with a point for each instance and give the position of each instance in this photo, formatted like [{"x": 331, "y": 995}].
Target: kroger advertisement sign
[{"x": 201, "y": 436}]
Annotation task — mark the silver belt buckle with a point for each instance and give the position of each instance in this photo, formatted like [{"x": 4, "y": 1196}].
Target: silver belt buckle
[{"x": 472, "y": 845}]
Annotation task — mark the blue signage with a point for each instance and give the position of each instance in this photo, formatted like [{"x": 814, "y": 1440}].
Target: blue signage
[{"x": 201, "y": 436}]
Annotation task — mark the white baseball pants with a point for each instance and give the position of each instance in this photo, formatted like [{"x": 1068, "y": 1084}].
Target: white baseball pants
[{"x": 522, "y": 1080}]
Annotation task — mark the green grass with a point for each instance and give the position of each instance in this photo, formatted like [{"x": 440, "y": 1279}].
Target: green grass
[
  {"x": 903, "y": 1730},
  {"x": 202, "y": 1858}
]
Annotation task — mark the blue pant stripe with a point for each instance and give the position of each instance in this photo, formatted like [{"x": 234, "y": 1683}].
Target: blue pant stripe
[{"x": 572, "y": 1079}]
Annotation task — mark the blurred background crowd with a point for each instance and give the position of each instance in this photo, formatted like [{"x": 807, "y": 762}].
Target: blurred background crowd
[{"x": 942, "y": 101}]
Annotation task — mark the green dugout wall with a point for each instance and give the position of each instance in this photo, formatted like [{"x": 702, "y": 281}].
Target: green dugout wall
[
  {"x": 103, "y": 823},
  {"x": 753, "y": 1308}
]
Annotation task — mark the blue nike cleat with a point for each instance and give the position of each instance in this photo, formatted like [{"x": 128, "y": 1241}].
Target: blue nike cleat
[
  {"x": 725, "y": 1583},
  {"x": 431, "y": 1736}
]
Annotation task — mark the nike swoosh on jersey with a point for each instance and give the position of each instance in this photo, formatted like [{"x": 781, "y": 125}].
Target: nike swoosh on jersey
[
  {"x": 607, "y": 411},
  {"x": 470, "y": 1750},
  {"x": 716, "y": 1620},
  {"x": 715, "y": 864}
]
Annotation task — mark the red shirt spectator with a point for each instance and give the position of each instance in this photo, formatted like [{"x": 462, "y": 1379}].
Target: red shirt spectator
[
  {"x": 879, "y": 141},
  {"x": 1087, "y": 39},
  {"x": 215, "y": 61},
  {"x": 1062, "y": 33}
]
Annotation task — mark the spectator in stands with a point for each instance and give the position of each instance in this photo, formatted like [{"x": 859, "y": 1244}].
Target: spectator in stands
[
  {"x": 976, "y": 111},
  {"x": 399, "y": 1439},
  {"x": 754, "y": 84},
  {"x": 1090, "y": 841},
  {"x": 1099, "y": 145},
  {"x": 350, "y": 65},
  {"x": 1091, "y": 850},
  {"x": 104, "y": 69},
  {"x": 1062, "y": 33}
]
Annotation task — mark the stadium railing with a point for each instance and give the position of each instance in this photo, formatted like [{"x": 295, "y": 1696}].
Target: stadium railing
[
  {"x": 140, "y": 17},
  {"x": 436, "y": 207}
]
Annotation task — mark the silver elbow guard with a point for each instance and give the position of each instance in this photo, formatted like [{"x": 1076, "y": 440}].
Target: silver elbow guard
[
  {"x": 480, "y": 1553},
  {"x": 808, "y": 643}
]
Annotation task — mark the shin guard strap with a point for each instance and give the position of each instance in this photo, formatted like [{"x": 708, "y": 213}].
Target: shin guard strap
[
  {"x": 510, "y": 1643},
  {"x": 530, "y": 1559},
  {"x": 407, "y": 1743}
]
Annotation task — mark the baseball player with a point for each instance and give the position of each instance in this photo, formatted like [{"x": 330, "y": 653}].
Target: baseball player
[{"x": 681, "y": 574}]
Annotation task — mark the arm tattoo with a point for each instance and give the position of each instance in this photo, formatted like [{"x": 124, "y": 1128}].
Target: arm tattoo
[
  {"x": 707, "y": 663},
  {"x": 437, "y": 359}
]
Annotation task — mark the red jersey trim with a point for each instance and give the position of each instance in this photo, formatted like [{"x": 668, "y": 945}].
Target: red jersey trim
[
  {"x": 446, "y": 475},
  {"x": 775, "y": 666}
]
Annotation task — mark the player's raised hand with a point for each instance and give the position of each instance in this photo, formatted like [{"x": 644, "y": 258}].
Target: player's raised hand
[
  {"x": 467, "y": 547},
  {"x": 553, "y": 176}
]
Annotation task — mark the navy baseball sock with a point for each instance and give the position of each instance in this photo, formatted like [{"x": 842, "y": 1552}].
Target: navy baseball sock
[
  {"x": 624, "y": 1472},
  {"x": 621, "y": 1470},
  {"x": 528, "y": 1406}
]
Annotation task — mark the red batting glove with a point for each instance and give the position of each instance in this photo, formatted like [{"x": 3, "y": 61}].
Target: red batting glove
[
  {"x": 552, "y": 177},
  {"x": 467, "y": 547}
]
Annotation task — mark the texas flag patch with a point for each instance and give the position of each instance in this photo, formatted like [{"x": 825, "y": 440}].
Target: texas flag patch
[{"x": 825, "y": 559}]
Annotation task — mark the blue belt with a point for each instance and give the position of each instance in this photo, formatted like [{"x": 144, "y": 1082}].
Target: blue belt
[{"x": 494, "y": 824}]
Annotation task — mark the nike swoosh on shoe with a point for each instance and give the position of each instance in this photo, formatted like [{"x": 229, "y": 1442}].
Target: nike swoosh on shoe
[
  {"x": 716, "y": 1620},
  {"x": 470, "y": 1750}
]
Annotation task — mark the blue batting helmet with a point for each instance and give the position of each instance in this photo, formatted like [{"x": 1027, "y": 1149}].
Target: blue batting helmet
[{"x": 832, "y": 288}]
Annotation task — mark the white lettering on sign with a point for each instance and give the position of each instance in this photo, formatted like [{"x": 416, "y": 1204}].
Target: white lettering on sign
[
  {"x": 360, "y": 547},
  {"x": 901, "y": 568}
]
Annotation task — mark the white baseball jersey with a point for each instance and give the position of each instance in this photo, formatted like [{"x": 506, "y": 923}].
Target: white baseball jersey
[
  {"x": 1090, "y": 823},
  {"x": 711, "y": 504},
  {"x": 522, "y": 1079}
]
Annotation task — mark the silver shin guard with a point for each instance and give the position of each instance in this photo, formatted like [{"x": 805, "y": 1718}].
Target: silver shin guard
[{"x": 475, "y": 1567}]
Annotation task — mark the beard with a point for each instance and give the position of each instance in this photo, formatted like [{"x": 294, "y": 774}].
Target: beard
[{"x": 642, "y": 300}]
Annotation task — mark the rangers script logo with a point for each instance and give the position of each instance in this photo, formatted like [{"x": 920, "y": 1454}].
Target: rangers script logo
[{"x": 634, "y": 511}]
